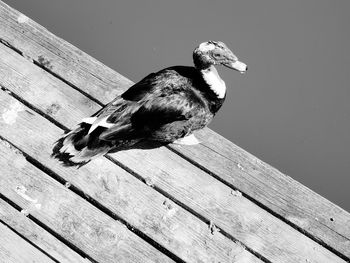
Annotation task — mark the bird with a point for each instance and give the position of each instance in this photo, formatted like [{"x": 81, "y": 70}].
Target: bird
[{"x": 164, "y": 107}]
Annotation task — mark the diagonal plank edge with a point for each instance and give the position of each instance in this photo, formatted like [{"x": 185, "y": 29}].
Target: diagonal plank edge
[
  {"x": 37, "y": 235},
  {"x": 258, "y": 180},
  {"x": 267, "y": 187},
  {"x": 55, "y": 54},
  {"x": 138, "y": 204},
  {"x": 13, "y": 248},
  {"x": 102, "y": 238},
  {"x": 252, "y": 225},
  {"x": 281, "y": 194}
]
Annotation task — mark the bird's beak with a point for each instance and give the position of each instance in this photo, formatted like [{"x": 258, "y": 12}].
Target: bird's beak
[{"x": 237, "y": 65}]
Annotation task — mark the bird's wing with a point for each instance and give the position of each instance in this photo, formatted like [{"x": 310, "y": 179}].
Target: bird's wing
[
  {"x": 134, "y": 93},
  {"x": 152, "y": 114},
  {"x": 142, "y": 88},
  {"x": 158, "y": 99},
  {"x": 101, "y": 118},
  {"x": 118, "y": 105}
]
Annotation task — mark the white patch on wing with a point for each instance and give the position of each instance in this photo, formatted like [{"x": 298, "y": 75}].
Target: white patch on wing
[
  {"x": 214, "y": 81},
  {"x": 205, "y": 47},
  {"x": 101, "y": 123}
]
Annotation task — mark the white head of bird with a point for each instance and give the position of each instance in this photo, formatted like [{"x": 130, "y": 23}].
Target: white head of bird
[
  {"x": 216, "y": 53},
  {"x": 211, "y": 53}
]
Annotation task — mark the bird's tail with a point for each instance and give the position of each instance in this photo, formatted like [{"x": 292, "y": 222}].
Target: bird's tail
[{"x": 77, "y": 147}]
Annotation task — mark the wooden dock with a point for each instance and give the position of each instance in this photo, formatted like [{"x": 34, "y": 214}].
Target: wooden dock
[{"x": 212, "y": 202}]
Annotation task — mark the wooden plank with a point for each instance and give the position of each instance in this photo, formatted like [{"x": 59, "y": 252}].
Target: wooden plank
[
  {"x": 200, "y": 192},
  {"x": 39, "y": 45},
  {"x": 98, "y": 235},
  {"x": 260, "y": 181},
  {"x": 141, "y": 206},
  {"x": 14, "y": 249},
  {"x": 278, "y": 192},
  {"x": 37, "y": 235}
]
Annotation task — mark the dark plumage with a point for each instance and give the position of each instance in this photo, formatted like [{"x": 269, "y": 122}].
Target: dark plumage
[{"x": 164, "y": 106}]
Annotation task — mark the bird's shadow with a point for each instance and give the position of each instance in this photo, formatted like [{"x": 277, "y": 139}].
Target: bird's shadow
[{"x": 142, "y": 145}]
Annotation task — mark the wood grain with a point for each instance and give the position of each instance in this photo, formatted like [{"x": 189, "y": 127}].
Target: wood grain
[
  {"x": 278, "y": 192},
  {"x": 267, "y": 186},
  {"x": 272, "y": 189},
  {"x": 140, "y": 205},
  {"x": 98, "y": 235},
  {"x": 39, "y": 45},
  {"x": 14, "y": 249},
  {"x": 233, "y": 213},
  {"x": 38, "y": 235}
]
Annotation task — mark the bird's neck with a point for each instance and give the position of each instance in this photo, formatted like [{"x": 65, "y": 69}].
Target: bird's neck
[{"x": 212, "y": 78}]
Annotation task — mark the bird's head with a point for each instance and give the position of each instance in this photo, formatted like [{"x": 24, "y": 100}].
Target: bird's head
[{"x": 215, "y": 53}]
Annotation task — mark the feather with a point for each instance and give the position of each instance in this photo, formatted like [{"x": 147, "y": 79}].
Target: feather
[{"x": 166, "y": 106}]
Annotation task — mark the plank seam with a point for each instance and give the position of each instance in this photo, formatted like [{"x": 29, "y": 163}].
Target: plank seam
[
  {"x": 37, "y": 63},
  {"x": 188, "y": 209},
  {"x": 296, "y": 227},
  {"x": 27, "y": 240},
  {"x": 261, "y": 205},
  {"x": 132, "y": 173},
  {"x": 205, "y": 220},
  {"x": 40, "y": 65},
  {"x": 93, "y": 202},
  {"x": 41, "y": 113},
  {"x": 4, "y": 42},
  {"x": 45, "y": 227}
]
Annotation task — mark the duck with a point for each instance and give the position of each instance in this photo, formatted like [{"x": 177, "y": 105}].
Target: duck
[{"x": 164, "y": 107}]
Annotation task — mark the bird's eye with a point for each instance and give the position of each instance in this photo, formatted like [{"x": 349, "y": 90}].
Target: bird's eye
[{"x": 217, "y": 55}]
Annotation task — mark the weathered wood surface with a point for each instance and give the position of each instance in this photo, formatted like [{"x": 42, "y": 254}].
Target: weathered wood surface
[
  {"x": 162, "y": 168},
  {"x": 99, "y": 236},
  {"x": 37, "y": 235},
  {"x": 175, "y": 213},
  {"x": 283, "y": 196},
  {"x": 54, "y": 53},
  {"x": 123, "y": 194},
  {"x": 14, "y": 249}
]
